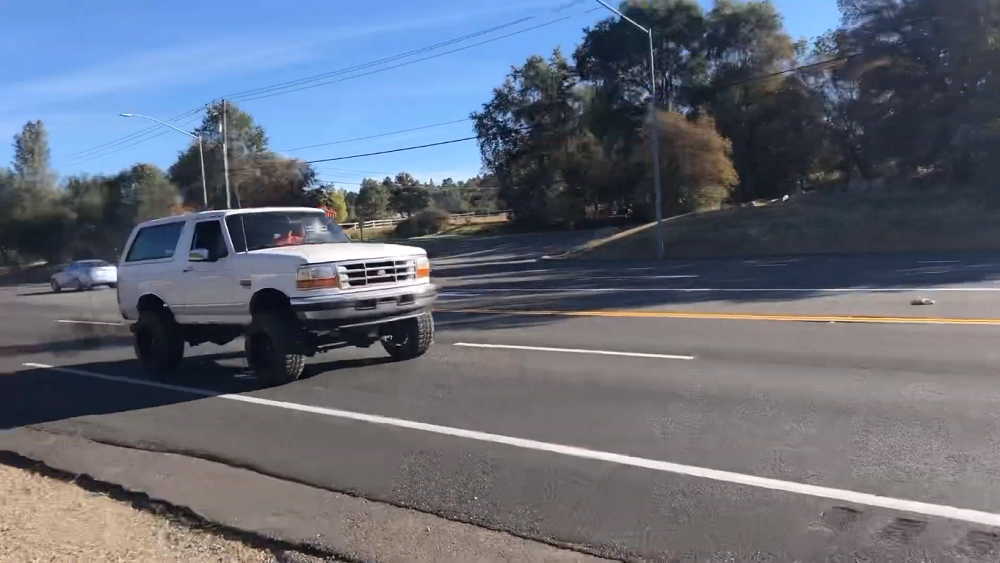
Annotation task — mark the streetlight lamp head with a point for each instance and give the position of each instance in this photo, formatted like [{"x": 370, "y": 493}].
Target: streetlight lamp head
[{"x": 125, "y": 114}]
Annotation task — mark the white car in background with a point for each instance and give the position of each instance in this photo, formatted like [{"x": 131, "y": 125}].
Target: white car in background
[{"x": 85, "y": 274}]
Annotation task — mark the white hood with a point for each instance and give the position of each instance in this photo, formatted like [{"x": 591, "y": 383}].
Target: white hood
[{"x": 335, "y": 252}]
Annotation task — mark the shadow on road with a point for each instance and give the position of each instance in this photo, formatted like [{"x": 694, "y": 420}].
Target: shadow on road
[
  {"x": 500, "y": 247},
  {"x": 38, "y": 395},
  {"x": 604, "y": 286}
]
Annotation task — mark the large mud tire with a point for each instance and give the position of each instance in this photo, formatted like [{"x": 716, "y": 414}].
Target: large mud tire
[
  {"x": 274, "y": 348},
  {"x": 158, "y": 342},
  {"x": 409, "y": 338}
]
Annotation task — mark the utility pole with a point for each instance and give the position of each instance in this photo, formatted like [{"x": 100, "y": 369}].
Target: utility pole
[
  {"x": 655, "y": 133},
  {"x": 225, "y": 155}
]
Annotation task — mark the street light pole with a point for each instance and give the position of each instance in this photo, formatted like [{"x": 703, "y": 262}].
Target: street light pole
[
  {"x": 655, "y": 144},
  {"x": 201, "y": 151},
  {"x": 225, "y": 153}
]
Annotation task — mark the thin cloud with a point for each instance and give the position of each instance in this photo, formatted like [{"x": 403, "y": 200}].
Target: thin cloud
[{"x": 207, "y": 61}]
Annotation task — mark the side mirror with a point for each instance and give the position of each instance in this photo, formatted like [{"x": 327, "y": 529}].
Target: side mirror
[{"x": 198, "y": 255}]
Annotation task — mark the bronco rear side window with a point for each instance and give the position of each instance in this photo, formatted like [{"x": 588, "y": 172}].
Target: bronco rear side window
[{"x": 155, "y": 243}]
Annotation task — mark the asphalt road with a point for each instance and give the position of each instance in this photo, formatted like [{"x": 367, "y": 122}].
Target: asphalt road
[{"x": 722, "y": 410}]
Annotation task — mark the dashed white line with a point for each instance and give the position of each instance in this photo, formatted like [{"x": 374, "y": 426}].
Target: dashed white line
[
  {"x": 77, "y": 322},
  {"x": 734, "y": 289},
  {"x": 575, "y": 351},
  {"x": 644, "y": 277},
  {"x": 866, "y": 499}
]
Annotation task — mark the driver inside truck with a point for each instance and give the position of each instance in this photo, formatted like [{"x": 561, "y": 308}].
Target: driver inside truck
[{"x": 293, "y": 235}]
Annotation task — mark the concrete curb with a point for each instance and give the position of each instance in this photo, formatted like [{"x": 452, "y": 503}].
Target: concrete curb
[{"x": 316, "y": 520}]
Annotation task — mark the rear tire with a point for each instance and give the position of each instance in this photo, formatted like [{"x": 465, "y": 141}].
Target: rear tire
[
  {"x": 158, "y": 342},
  {"x": 409, "y": 338},
  {"x": 274, "y": 346}
]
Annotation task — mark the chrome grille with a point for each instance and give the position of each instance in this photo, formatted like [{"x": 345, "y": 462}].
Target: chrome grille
[{"x": 377, "y": 272}]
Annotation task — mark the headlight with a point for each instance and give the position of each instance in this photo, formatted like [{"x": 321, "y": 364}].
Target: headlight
[
  {"x": 324, "y": 276},
  {"x": 423, "y": 267}
]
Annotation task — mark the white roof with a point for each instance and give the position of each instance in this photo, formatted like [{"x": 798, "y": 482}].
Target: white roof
[{"x": 219, "y": 213}]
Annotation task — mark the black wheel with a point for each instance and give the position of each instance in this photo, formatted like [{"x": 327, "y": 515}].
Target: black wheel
[
  {"x": 158, "y": 342},
  {"x": 274, "y": 346},
  {"x": 56, "y": 288},
  {"x": 409, "y": 338},
  {"x": 113, "y": 285}
]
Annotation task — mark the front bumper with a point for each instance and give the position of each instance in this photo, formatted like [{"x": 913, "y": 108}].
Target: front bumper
[{"x": 367, "y": 307}]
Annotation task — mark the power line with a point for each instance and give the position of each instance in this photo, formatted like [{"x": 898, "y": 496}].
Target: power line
[
  {"x": 360, "y": 172},
  {"x": 379, "y": 135},
  {"x": 111, "y": 148},
  {"x": 306, "y": 80},
  {"x": 131, "y": 136},
  {"x": 532, "y": 28},
  {"x": 393, "y": 150},
  {"x": 256, "y": 93},
  {"x": 262, "y": 92}
]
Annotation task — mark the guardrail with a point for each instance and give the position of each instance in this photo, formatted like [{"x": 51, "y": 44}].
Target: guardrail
[{"x": 382, "y": 223}]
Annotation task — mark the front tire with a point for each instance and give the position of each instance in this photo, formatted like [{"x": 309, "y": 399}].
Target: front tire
[
  {"x": 158, "y": 342},
  {"x": 274, "y": 348},
  {"x": 56, "y": 288},
  {"x": 409, "y": 338}
]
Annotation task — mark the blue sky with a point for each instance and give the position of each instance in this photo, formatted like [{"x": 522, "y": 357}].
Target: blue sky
[{"x": 99, "y": 58}]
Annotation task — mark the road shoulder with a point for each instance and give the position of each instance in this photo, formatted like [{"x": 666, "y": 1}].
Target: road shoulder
[{"x": 242, "y": 500}]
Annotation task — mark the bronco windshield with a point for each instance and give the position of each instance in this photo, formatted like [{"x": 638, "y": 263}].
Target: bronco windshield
[{"x": 254, "y": 231}]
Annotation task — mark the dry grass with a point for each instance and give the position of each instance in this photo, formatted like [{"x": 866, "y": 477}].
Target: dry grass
[
  {"x": 43, "y": 519},
  {"x": 458, "y": 226},
  {"x": 379, "y": 234},
  {"x": 822, "y": 224},
  {"x": 476, "y": 220}
]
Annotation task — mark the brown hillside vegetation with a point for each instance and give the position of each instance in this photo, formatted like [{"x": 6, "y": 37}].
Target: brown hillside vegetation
[{"x": 822, "y": 223}]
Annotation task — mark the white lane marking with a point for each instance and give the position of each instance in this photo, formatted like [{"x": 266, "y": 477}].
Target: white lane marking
[
  {"x": 75, "y": 322},
  {"x": 737, "y": 290},
  {"x": 575, "y": 351},
  {"x": 626, "y": 278},
  {"x": 926, "y": 271},
  {"x": 443, "y": 265},
  {"x": 867, "y": 499}
]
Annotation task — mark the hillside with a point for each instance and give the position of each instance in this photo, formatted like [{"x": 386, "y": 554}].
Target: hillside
[{"x": 814, "y": 223}]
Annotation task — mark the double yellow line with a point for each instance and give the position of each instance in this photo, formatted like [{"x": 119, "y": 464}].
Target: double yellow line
[{"x": 734, "y": 316}]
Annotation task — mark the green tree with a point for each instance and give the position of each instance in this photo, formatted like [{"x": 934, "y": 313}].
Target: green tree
[
  {"x": 32, "y": 159},
  {"x": 331, "y": 198},
  {"x": 615, "y": 55},
  {"x": 8, "y": 214},
  {"x": 529, "y": 121},
  {"x": 39, "y": 224},
  {"x": 257, "y": 175},
  {"x": 155, "y": 196},
  {"x": 744, "y": 41},
  {"x": 408, "y": 196},
  {"x": 351, "y": 200},
  {"x": 373, "y": 200}
]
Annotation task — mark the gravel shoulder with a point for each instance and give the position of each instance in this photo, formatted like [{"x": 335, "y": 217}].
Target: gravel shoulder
[
  {"x": 45, "y": 519},
  {"x": 302, "y": 523}
]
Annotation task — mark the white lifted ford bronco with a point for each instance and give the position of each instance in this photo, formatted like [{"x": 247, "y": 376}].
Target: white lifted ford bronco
[{"x": 287, "y": 279}]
